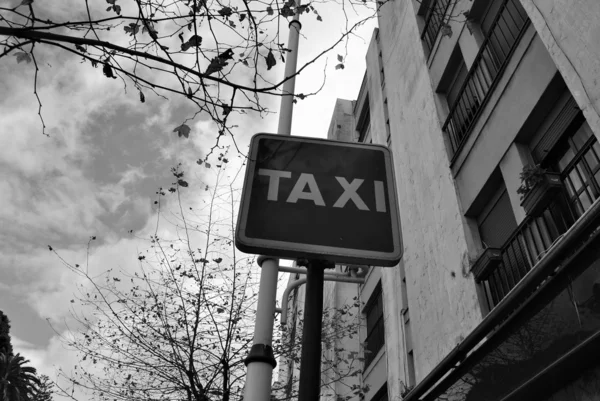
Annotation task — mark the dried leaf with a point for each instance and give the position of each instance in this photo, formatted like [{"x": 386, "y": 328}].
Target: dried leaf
[
  {"x": 226, "y": 110},
  {"x": 340, "y": 58},
  {"x": 270, "y": 10},
  {"x": 149, "y": 27},
  {"x": 339, "y": 67},
  {"x": 132, "y": 29},
  {"x": 22, "y": 56},
  {"x": 446, "y": 30},
  {"x": 225, "y": 12},
  {"x": 108, "y": 72},
  {"x": 195, "y": 40},
  {"x": 183, "y": 130},
  {"x": 219, "y": 62},
  {"x": 286, "y": 11},
  {"x": 26, "y": 2},
  {"x": 182, "y": 183},
  {"x": 270, "y": 60},
  {"x": 142, "y": 97}
]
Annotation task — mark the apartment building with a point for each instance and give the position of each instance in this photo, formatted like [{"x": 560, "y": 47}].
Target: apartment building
[{"x": 491, "y": 109}]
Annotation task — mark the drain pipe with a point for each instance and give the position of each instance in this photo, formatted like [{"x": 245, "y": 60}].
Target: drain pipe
[{"x": 300, "y": 281}]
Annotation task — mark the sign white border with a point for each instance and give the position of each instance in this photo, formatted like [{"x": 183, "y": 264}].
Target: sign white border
[{"x": 292, "y": 250}]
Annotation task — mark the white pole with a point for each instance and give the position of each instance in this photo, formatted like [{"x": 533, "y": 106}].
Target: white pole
[
  {"x": 261, "y": 362},
  {"x": 287, "y": 102}
]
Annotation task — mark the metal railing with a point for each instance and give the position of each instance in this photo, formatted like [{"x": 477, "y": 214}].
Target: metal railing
[
  {"x": 535, "y": 235},
  {"x": 434, "y": 20},
  {"x": 500, "y": 42},
  {"x": 524, "y": 249}
]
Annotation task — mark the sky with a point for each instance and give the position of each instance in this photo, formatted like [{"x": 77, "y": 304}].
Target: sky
[{"x": 98, "y": 170}]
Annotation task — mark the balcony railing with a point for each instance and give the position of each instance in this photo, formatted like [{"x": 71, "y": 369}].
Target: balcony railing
[
  {"x": 434, "y": 20},
  {"x": 535, "y": 235},
  {"x": 500, "y": 42},
  {"x": 525, "y": 248}
]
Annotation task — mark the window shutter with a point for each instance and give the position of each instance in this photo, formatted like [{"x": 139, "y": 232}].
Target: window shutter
[
  {"x": 548, "y": 135},
  {"x": 497, "y": 225}
]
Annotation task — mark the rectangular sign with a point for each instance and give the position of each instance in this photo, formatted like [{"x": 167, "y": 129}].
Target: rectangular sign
[{"x": 319, "y": 199}]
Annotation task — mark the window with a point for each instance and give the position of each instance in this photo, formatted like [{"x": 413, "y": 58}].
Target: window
[
  {"x": 381, "y": 73},
  {"x": 565, "y": 144},
  {"x": 434, "y": 20},
  {"x": 497, "y": 221},
  {"x": 375, "y": 331},
  {"x": 410, "y": 360},
  {"x": 364, "y": 121},
  {"x": 459, "y": 78},
  {"x": 579, "y": 164},
  {"x": 386, "y": 115},
  {"x": 411, "y": 368},
  {"x": 382, "y": 394},
  {"x": 503, "y": 24},
  {"x": 463, "y": 102}
]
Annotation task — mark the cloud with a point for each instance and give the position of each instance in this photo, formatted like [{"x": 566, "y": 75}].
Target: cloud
[{"x": 98, "y": 171}]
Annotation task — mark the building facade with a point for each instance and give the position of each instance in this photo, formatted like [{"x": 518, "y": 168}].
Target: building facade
[{"x": 492, "y": 111}]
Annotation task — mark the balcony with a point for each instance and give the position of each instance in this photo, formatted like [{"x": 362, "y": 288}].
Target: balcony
[
  {"x": 527, "y": 245},
  {"x": 523, "y": 250},
  {"x": 496, "y": 50},
  {"x": 535, "y": 235},
  {"x": 434, "y": 20}
]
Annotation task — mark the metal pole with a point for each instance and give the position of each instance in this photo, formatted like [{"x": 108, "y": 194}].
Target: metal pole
[
  {"x": 286, "y": 108},
  {"x": 260, "y": 362},
  {"x": 310, "y": 367}
]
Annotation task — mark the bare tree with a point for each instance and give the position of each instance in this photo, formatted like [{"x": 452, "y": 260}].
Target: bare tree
[
  {"x": 216, "y": 53},
  {"x": 180, "y": 327}
]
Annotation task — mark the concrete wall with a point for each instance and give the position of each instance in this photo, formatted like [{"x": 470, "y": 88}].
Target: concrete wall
[
  {"x": 341, "y": 127},
  {"x": 442, "y": 296},
  {"x": 570, "y": 29}
]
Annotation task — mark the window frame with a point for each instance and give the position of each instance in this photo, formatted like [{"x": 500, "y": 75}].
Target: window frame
[
  {"x": 376, "y": 299},
  {"x": 363, "y": 125}
]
